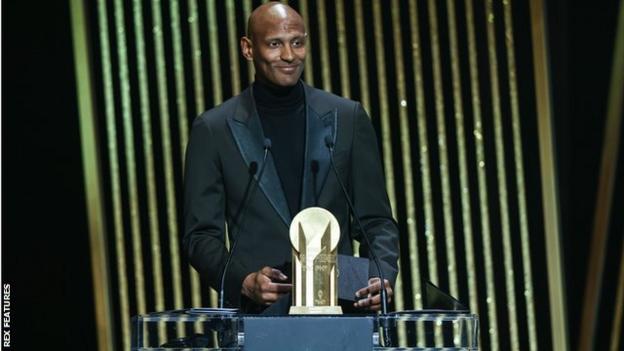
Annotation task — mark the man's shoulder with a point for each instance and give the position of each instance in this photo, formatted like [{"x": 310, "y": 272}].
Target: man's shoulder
[
  {"x": 318, "y": 96},
  {"x": 218, "y": 114}
]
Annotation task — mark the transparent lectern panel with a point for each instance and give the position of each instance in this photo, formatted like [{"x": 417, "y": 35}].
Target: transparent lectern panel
[
  {"x": 426, "y": 330},
  {"x": 186, "y": 329},
  {"x": 209, "y": 329}
]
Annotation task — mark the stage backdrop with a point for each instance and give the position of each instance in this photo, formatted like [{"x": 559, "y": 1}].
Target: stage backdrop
[{"x": 451, "y": 89}]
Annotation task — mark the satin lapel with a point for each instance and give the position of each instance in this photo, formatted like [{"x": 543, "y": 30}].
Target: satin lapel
[
  {"x": 247, "y": 132},
  {"x": 318, "y": 125}
]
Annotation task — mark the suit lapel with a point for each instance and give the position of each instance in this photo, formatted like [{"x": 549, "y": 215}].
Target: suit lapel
[
  {"x": 321, "y": 120},
  {"x": 247, "y": 132}
]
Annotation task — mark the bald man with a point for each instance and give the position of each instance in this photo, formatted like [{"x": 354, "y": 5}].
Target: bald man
[{"x": 282, "y": 124}]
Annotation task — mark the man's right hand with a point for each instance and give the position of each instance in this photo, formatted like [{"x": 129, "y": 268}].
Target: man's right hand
[{"x": 263, "y": 286}]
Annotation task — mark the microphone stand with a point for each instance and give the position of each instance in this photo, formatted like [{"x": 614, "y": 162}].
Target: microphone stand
[
  {"x": 387, "y": 340},
  {"x": 241, "y": 212}
]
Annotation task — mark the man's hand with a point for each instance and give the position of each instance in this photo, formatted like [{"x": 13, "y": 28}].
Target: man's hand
[
  {"x": 260, "y": 286},
  {"x": 370, "y": 297}
]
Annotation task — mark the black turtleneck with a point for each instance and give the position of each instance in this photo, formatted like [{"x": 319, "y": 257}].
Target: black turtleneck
[{"x": 282, "y": 113}]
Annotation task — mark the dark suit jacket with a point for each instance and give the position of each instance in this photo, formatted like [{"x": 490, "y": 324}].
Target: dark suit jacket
[{"x": 227, "y": 138}]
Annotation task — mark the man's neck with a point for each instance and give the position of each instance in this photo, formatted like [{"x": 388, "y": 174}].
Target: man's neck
[{"x": 271, "y": 96}]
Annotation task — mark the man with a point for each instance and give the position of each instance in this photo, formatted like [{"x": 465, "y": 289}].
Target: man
[{"x": 227, "y": 140}]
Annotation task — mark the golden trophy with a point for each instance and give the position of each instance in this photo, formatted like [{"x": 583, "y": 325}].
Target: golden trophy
[{"x": 314, "y": 235}]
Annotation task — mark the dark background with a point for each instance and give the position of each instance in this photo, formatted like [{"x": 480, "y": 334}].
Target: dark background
[
  {"x": 45, "y": 238},
  {"x": 45, "y": 251},
  {"x": 582, "y": 37}
]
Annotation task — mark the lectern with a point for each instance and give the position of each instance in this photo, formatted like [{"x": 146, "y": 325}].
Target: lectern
[{"x": 206, "y": 329}]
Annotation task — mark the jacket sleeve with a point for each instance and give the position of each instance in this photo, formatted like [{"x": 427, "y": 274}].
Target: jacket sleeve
[
  {"x": 371, "y": 199},
  {"x": 204, "y": 213}
]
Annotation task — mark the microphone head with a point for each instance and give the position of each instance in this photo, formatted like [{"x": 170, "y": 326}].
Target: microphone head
[
  {"x": 315, "y": 166},
  {"x": 267, "y": 143},
  {"x": 253, "y": 168},
  {"x": 329, "y": 142}
]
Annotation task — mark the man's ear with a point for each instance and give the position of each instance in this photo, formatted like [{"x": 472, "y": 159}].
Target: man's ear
[{"x": 246, "y": 48}]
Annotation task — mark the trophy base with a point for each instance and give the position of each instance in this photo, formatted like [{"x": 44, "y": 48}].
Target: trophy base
[{"x": 315, "y": 310}]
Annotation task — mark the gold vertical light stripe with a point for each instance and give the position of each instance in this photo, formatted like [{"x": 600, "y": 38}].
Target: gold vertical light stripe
[
  {"x": 178, "y": 69},
  {"x": 605, "y": 188},
  {"x": 163, "y": 107},
  {"x": 92, "y": 179},
  {"x": 247, "y": 13},
  {"x": 233, "y": 41},
  {"x": 180, "y": 98},
  {"x": 481, "y": 177},
  {"x": 215, "y": 64},
  {"x": 111, "y": 130},
  {"x": 425, "y": 169},
  {"x": 615, "y": 91},
  {"x": 406, "y": 154},
  {"x": 200, "y": 105},
  {"x": 362, "y": 73},
  {"x": 198, "y": 80},
  {"x": 502, "y": 179},
  {"x": 126, "y": 110},
  {"x": 520, "y": 185},
  {"x": 619, "y": 307},
  {"x": 321, "y": 15},
  {"x": 362, "y": 56},
  {"x": 342, "y": 50},
  {"x": 550, "y": 192},
  {"x": 458, "y": 107},
  {"x": 425, "y": 174},
  {"x": 386, "y": 135},
  {"x": 385, "y": 113},
  {"x": 447, "y": 205},
  {"x": 215, "y": 69},
  {"x": 308, "y": 69},
  {"x": 150, "y": 177}
]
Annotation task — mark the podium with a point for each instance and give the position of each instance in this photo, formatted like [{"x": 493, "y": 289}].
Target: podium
[{"x": 206, "y": 329}]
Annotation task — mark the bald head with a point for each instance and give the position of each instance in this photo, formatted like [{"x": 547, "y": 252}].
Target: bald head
[
  {"x": 275, "y": 42},
  {"x": 270, "y": 13}
]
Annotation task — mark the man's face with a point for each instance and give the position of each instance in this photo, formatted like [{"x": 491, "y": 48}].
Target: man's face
[{"x": 277, "y": 48}]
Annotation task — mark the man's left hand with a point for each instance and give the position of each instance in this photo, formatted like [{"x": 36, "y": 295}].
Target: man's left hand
[{"x": 370, "y": 297}]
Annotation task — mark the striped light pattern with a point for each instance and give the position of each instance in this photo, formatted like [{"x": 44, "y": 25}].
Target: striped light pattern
[{"x": 441, "y": 82}]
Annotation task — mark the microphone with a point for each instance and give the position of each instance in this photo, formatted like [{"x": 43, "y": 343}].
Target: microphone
[
  {"x": 238, "y": 218},
  {"x": 329, "y": 142},
  {"x": 315, "y": 169}
]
